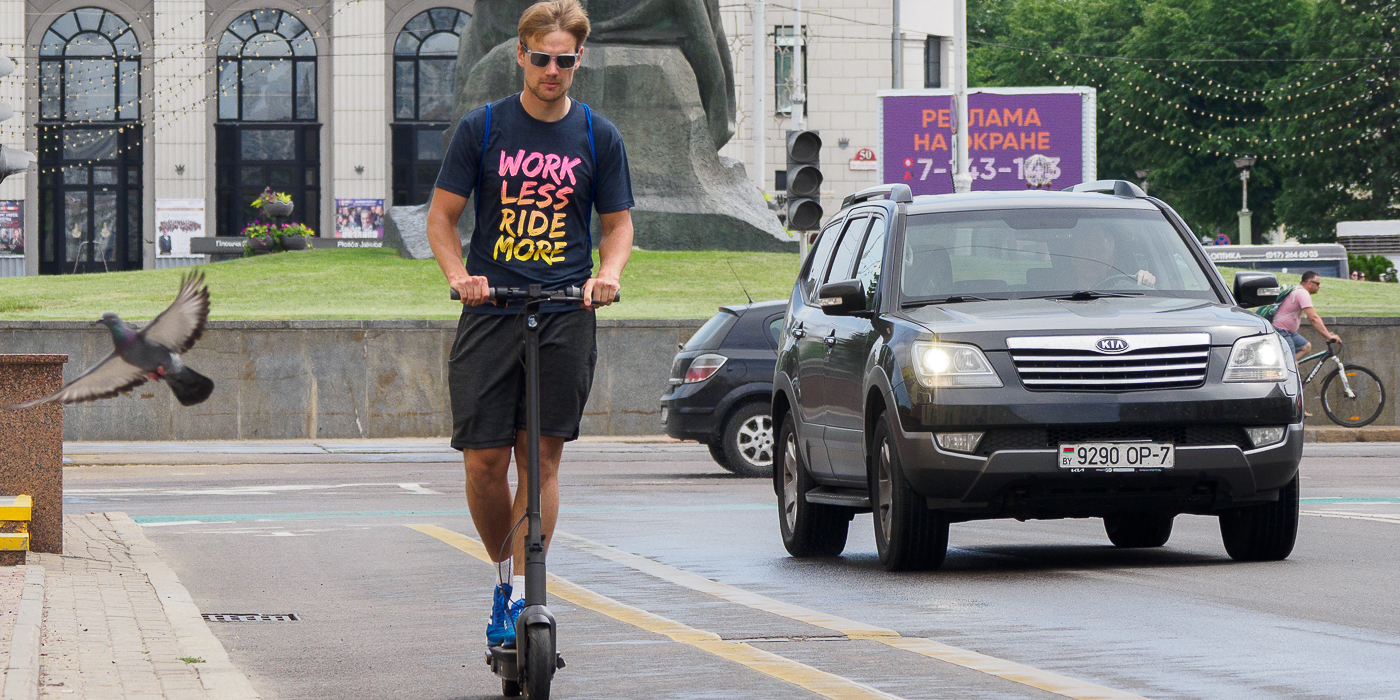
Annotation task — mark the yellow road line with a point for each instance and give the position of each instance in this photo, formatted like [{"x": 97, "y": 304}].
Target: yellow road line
[
  {"x": 1009, "y": 670},
  {"x": 804, "y": 676}
]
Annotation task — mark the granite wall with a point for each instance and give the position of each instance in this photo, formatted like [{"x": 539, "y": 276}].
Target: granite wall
[{"x": 337, "y": 379}]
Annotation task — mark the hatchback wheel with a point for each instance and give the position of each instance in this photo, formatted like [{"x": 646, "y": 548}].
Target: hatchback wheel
[
  {"x": 908, "y": 536},
  {"x": 809, "y": 529},
  {"x": 748, "y": 441}
]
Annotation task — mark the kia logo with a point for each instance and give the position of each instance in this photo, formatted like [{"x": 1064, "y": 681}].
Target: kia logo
[{"x": 1112, "y": 345}]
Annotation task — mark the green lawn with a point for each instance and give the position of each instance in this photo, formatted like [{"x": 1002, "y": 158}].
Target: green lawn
[
  {"x": 369, "y": 284},
  {"x": 1345, "y": 297}
]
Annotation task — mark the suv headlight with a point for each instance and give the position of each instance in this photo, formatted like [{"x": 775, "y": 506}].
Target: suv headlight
[
  {"x": 1258, "y": 358},
  {"x": 948, "y": 365}
]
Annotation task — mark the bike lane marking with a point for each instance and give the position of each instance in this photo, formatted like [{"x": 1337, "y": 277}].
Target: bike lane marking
[
  {"x": 1001, "y": 668},
  {"x": 820, "y": 682}
]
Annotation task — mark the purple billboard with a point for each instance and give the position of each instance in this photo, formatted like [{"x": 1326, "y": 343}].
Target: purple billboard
[{"x": 1020, "y": 138}]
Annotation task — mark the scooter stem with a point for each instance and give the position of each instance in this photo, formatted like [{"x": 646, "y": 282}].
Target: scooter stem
[{"x": 534, "y": 543}]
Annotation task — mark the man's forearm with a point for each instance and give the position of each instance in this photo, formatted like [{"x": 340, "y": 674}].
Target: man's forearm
[
  {"x": 614, "y": 249},
  {"x": 1317, "y": 324},
  {"x": 447, "y": 247}
]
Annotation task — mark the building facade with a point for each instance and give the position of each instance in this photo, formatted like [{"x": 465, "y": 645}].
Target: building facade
[{"x": 157, "y": 118}]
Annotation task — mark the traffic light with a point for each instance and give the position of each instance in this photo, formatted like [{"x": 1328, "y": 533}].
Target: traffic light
[
  {"x": 12, "y": 160},
  {"x": 804, "y": 180}
]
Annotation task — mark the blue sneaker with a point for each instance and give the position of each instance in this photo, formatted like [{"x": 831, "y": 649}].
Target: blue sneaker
[{"x": 500, "y": 631}]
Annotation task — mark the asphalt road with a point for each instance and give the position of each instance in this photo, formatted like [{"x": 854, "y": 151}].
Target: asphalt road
[{"x": 668, "y": 555}]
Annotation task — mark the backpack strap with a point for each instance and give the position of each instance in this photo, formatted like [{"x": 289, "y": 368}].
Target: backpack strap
[
  {"x": 593, "y": 180},
  {"x": 481, "y": 159}
]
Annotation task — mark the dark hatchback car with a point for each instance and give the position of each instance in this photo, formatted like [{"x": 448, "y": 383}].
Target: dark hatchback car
[
  {"x": 722, "y": 384},
  {"x": 1029, "y": 355}
]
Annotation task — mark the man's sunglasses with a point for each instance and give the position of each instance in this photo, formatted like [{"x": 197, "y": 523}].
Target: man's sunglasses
[{"x": 540, "y": 59}]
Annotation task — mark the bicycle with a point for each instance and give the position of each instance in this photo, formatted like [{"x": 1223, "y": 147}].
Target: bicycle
[{"x": 1352, "y": 395}]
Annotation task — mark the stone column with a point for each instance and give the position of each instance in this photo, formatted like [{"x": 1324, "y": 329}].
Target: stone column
[
  {"x": 31, "y": 444},
  {"x": 359, "y": 116},
  {"x": 178, "y": 128},
  {"x": 14, "y": 131}
]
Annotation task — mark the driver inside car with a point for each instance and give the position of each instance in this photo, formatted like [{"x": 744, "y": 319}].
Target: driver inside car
[{"x": 1096, "y": 263}]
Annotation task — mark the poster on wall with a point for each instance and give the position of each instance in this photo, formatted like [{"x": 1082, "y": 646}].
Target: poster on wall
[
  {"x": 177, "y": 221},
  {"x": 1019, "y": 138},
  {"x": 359, "y": 218},
  {"x": 11, "y": 229}
]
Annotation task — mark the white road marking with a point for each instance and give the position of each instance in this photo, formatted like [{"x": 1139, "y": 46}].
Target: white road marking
[
  {"x": 263, "y": 490},
  {"x": 1379, "y": 517}
]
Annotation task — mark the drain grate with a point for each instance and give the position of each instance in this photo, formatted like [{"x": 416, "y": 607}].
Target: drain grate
[{"x": 251, "y": 617}]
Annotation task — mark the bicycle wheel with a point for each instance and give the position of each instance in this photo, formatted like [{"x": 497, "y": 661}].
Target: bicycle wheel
[{"x": 1353, "y": 412}]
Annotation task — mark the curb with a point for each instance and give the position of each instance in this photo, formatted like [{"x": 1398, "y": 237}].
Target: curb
[
  {"x": 1370, "y": 433},
  {"x": 22, "y": 676},
  {"x": 219, "y": 677}
]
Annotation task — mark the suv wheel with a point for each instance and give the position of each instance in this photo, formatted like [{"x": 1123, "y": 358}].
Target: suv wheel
[
  {"x": 747, "y": 445},
  {"x": 809, "y": 529},
  {"x": 1265, "y": 532},
  {"x": 908, "y": 536},
  {"x": 1139, "y": 530}
]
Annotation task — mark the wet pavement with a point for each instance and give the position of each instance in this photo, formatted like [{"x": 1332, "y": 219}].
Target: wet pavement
[{"x": 677, "y": 585}]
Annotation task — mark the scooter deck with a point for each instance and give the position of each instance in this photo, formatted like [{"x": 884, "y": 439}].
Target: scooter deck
[{"x": 505, "y": 661}]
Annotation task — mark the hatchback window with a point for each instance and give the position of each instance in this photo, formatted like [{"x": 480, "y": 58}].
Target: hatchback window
[
  {"x": 1022, "y": 253},
  {"x": 712, "y": 333}
]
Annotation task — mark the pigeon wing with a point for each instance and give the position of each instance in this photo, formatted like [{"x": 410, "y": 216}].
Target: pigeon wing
[
  {"x": 182, "y": 323},
  {"x": 110, "y": 377}
]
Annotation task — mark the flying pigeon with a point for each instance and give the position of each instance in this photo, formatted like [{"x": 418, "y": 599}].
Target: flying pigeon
[{"x": 151, "y": 353}]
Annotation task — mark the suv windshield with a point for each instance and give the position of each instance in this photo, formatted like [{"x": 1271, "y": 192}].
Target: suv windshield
[{"x": 1024, "y": 253}]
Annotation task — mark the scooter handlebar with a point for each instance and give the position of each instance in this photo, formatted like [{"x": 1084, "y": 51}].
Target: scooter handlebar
[{"x": 497, "y": 294}]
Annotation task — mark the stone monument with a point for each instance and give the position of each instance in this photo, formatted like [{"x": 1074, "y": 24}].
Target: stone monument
[{"x": 661, "y": 71}]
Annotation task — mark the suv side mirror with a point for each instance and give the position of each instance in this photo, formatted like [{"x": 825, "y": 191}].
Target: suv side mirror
[
  {"x": 842, "y": 298},
  {"x": 1255, "y": 288}
]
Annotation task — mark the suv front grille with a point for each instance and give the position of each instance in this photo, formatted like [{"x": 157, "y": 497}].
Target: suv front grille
[
  {"x": 1051, "y": 437},
  {"x": 1072, "y": 363}
]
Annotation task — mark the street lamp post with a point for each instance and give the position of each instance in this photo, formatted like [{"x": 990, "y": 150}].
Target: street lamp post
[
  {"x": 962, "y": 176},
  {"x": 1142, "y": 175},
  {"x": 1246, "y": 230}
]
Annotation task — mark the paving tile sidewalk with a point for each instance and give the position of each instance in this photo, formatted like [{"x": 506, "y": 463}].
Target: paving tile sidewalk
[{"x": 117, "y": 622}]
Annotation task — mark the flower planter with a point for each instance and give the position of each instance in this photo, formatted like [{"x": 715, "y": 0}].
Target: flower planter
[
  {"x": 277, "y": 209},
  {"x": 295, "y": 243},
  {"x": 261, "y": 244}
]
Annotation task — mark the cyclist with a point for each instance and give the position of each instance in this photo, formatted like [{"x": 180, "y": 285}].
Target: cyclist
[
  {"x": 539, "y": 164},
  {"x": 1289, "y": 316}
]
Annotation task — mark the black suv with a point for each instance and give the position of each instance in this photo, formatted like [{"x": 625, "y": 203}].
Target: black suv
[
  {"x": 1029, "y": 355},
  {"x": 721, "y": 384}
]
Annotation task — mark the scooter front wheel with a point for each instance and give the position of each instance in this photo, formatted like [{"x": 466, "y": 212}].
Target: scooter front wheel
[{"x": 539, "y": 661}]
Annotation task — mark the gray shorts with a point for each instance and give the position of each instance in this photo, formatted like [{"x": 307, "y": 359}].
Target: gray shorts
[{"x": 1294, "y": 340}]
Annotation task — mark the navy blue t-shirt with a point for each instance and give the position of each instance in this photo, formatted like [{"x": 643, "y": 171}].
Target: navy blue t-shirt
[{"x": 540, "y": 184}]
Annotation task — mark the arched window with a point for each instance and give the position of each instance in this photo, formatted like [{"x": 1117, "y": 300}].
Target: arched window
[
  {"x": 425, "y": 61},
  {"x": 90, "y": 68},
  {"x": 89, "y": 144},
  {"x": 268, "y": 136},
  {"x": 267, "y": 68}
]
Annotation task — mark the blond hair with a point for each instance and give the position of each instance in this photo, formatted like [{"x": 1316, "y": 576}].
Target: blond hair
[{"x": 552, "y": 16}]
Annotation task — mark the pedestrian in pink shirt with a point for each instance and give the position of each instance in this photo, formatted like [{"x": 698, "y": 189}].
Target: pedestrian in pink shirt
[{"x": 1291, "y": 310}]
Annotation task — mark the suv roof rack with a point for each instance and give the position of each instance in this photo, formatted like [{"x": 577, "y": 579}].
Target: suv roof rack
[
  {"x": 1120, "y": 188},
  {"x": 898, "y": 192}
]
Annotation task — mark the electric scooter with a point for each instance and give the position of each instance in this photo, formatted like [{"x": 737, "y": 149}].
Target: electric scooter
[{"x": 530, "y": 666}]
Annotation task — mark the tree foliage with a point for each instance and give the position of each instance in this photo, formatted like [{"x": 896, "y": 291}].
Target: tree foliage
[{"x": 1187, "y": 86}]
